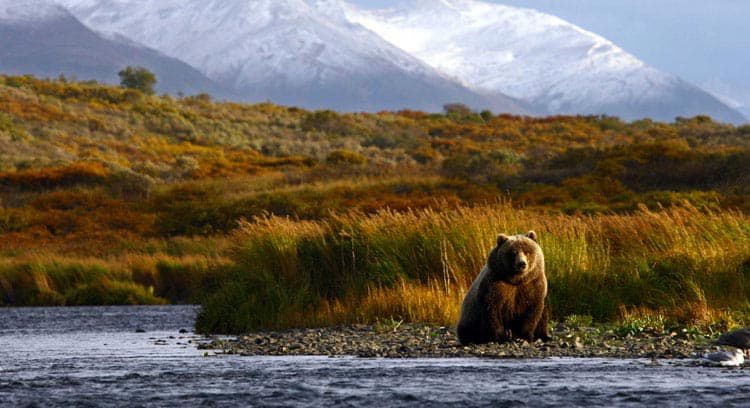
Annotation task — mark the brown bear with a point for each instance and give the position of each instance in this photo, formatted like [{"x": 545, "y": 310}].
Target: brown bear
[{"x": 506, "y": 300}]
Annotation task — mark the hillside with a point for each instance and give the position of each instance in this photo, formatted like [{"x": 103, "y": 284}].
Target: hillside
[
  {"x": 164, "y": 141},
  {"x": 112, "y": 196}
]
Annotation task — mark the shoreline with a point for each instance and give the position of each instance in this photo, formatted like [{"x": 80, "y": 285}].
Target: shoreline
[{"x": 418, "y": 340}]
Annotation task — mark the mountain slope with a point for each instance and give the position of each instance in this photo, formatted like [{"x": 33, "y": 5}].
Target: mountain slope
[
  {"x": 539, "y": 58},
  {"x": 40, "y": 38},
  {"x": 286, "y": 51}
]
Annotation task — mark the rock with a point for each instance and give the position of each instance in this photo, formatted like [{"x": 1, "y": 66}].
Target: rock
[
  {"x": 577, "y": 343},
  {"x": 421, "y": 340}
]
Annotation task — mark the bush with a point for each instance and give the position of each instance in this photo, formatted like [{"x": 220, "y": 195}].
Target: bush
[
  {"x": 329, "y": 122},
  {"x": 14, "y": 220},
  {"x": 107, "y": 292},
  {"x": 185, "y": 282},
  {"x": 482, "y": 167},
  {"x": 82, "y": 173},
  {"x": 345, "y": 158},
  {"x": 138, "y": 78}
]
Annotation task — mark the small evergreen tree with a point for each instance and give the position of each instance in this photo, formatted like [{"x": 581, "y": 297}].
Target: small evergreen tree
[{"x": 138, "y": 78}]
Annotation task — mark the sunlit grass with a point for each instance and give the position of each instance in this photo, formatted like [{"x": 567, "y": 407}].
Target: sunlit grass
[
  {"x": 681, "y": 262},
  {"x": 109, "y": 195},
  {"x": 130, "y": 279}
]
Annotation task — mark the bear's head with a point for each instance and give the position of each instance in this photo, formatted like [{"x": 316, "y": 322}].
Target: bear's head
[{"x": 516, "y": 259}]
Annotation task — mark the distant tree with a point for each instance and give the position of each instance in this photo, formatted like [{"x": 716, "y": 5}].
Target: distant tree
[
  {"x": 456, "y": 108},
  {"x": 138, "y": 78}
]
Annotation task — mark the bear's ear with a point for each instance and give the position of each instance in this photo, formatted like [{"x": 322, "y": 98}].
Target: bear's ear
[
  {"x": 501, "y": 239},
  {"x": 532, "y": 235}
]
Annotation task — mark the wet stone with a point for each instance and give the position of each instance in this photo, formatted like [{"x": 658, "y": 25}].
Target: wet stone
[{"x": 423, "y": 340}]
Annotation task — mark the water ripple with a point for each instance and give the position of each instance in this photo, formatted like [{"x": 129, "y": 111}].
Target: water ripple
[{"x": 48, "y": 359}]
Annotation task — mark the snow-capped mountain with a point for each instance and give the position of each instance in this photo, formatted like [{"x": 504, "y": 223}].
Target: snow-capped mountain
[
  {"x": 544, "y": 60},
  {"x": 735, "y": 95},
  {"x": 287, "y": 51},
  {"x": 30, "y": 11},
  {"x": 42, "y": 38},
  {"x": 419, "y": 55}
]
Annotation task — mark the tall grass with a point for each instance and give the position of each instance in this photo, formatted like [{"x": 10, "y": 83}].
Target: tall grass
[
  {"x": 682, "y": 262},
  {"x": 130, "y": 279}
]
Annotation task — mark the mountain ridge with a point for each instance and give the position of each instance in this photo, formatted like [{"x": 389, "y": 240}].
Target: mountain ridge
[
  {"x": 539, "y": 58},
  {"x": 43, "y": 39},
  {"x": 285, "y": 51},
  {"x": 329, "y": 54}
]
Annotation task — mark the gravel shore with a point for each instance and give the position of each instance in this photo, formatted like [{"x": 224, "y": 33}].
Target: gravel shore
[{"x": 423, "y": 340}]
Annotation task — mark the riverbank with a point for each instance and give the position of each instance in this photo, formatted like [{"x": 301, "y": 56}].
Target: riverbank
[
  {"x": 83, "y": 356},
  {"x": 429, "y": 341}
]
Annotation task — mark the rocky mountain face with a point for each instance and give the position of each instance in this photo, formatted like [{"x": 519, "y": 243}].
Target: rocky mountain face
[{"x": 41, "y": 38}]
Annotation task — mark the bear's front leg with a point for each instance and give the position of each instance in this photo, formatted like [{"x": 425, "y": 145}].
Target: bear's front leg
[
  {"x": 502, "y": 334},
  {"x": 542, "y": 328},
  {"x": 534, "y": 325}
]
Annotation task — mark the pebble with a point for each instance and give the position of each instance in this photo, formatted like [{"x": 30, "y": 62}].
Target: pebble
[{"x": 424, "y": 340}]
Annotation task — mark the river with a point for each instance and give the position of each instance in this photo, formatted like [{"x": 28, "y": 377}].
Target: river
[{"x": 136, "y": 356}]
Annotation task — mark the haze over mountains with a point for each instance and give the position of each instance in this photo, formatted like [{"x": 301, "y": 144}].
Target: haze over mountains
[{"x": 330, "y": 54}]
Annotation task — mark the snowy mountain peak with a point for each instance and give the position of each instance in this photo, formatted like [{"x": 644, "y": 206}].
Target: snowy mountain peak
[
  {"x": 291, "y": 51},
  {"x": 30, "y": 11},
  {"x": 188, "y": 29},
  {"x": 334, "y": 9},
  {"x": 536, "y": 57},
  {"x": 495, "y": 47},
  {"x": 418, "y": 54}
]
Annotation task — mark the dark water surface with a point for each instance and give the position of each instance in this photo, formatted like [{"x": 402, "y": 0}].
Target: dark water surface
[{"x": 94, "y": 357}]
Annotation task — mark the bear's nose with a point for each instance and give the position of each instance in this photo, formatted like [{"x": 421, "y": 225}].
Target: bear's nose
[{"x": 521, "y": 264}]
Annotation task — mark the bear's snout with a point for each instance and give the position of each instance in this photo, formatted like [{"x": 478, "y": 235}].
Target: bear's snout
[{"x": 521, "y": 262}]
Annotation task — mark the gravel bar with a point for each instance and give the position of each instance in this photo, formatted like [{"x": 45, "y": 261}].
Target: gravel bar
[{"x": 428, "y": 341}]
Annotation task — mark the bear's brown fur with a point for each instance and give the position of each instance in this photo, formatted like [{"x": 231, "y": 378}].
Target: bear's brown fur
[{"x": 506, "y": 300}]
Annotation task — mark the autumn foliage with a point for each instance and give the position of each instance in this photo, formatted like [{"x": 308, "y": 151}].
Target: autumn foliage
[{"x": 140, "y": 196}]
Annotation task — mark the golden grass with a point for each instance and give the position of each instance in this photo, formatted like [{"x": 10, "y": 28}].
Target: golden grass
[
  {"x": 416, "y": 265},
  {"x": 42, "y": 279}
]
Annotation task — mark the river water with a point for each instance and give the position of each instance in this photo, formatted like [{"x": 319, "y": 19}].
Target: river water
[{"x": 136, "y": 356}]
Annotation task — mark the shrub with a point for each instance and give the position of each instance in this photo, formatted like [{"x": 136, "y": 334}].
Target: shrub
[
  {"x": 183, "y": 282},
  {"x": 345, "y": 158},
  {"x": 14, "y": 220},
  {"x": 81, "y": 173},
  {"x": 138, "y": 78},
  {"x": 103, "y": 291}
]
